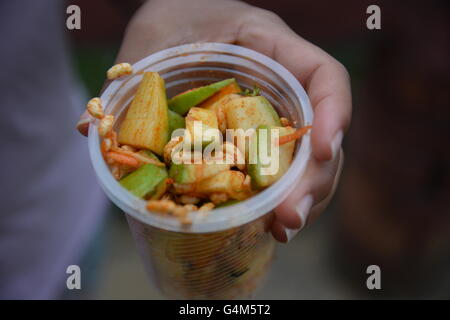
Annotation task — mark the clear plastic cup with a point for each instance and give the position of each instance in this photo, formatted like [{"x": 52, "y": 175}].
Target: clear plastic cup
[{"x": 225, "y": 253}]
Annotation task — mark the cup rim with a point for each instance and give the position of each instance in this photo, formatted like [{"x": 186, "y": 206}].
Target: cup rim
[{"x": 220, "y": 218}]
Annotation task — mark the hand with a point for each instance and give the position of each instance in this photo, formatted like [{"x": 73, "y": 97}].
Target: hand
[{"x": 160, "y": 24}]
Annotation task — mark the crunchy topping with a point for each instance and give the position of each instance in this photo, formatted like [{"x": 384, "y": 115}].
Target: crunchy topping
[
  {"x": 105, "y": 125},
  {"x": 161, "y": 206},
  {"x": 95, "y": 108},
  {"x": 187, "y": 199},
  {"x": 119, "y": 70},
  {"x": 218, "y": 198},
  {"x": 106, "y": 145},
  {"x": 207, "y": 206}
]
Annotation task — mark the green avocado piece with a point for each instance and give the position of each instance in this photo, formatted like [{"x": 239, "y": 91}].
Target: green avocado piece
[
  {"x": 191, "y": 173},
  {"x": 143, "y": 181},
  {"x": 182, "y": 102},
  {"x": 285, "y": 156},
  {"x": 175, "y": 121}
]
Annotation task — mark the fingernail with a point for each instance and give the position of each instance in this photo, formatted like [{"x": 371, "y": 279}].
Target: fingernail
[
  {"x": 291, "y": 233},
  {"x": 336, "y": 143},
  {"x": 83, "y": 122},
  {"x": 302, "y": 210},
  {"x": 82, "y": 125}
]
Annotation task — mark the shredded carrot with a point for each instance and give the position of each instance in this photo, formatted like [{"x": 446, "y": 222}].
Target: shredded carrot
[
  {"x": 123, "y": 159},
  {"x": 297, "y": 134}
]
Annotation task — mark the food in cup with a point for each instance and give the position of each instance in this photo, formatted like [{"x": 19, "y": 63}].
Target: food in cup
[
  {"x": 170, "y": 171},
  {"x": 225, "y": 253}
]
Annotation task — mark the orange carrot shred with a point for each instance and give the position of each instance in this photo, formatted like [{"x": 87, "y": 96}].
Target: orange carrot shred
[
  {"x": 123, "y": 159},
  {"x": 297, "y": 134}
]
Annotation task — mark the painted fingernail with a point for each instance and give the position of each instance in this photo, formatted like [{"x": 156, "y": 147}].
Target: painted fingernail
[
  {"x": 302, "y": 210},
  {"x": 336, "y": 143},
  {"x": 83, "y": 125}
]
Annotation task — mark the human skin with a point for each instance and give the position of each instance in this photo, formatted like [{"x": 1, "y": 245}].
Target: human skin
[{"x": 161, "y": 24}]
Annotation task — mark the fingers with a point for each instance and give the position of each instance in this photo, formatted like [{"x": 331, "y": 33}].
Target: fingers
[
  {"x": 83, "y": 124},
  {"x": 325, "y": 79},
  {"x": 328, "y": 86},
  {"x": 329, "y": 91},
  {"x": 313, "y": 192},
  {"x": 322, "y": 205}
]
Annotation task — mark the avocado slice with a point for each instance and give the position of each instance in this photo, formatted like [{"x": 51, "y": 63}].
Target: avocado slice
[
  {"x": 182, "y": 102},
  {"x": 175, "y": 121},
  {"x": 286, "y": 152},
  {"x": 146, "y": 124},
  {"x": 144, "y": 181},
  {"x": 250, "y": 112},
  {"x": 191, "y": 173}
]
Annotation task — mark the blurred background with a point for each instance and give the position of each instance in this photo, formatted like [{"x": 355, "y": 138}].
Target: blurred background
[{"x": 392, "y": 207}]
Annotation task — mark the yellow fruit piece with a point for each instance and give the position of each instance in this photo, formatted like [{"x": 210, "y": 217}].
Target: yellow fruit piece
[
  {"x": 218, "y": 106},
  {"x": 208, "y": 120},
  {"x": 146, "y": 123}
]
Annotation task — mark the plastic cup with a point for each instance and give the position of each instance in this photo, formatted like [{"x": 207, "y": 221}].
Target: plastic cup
[{"x": 227, "y": 252}]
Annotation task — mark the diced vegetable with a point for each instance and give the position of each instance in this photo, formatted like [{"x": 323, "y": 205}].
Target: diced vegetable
[
  {"x": 219, "y": 109},
  {"x": 160, "y": 189},
  {"x": 175, "y": 121},
  {"x": 182, "y": 102},
  {"x": 231, "y": 88},
  {"x": 261, "y": 147},
  {"x": 144, "y": 181},
  {"x": 208, "y": 120},
  {"x": 146, "y": 123},
  {"x": 250, "y": 112},
  {"x": 192, "y": 173}
]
